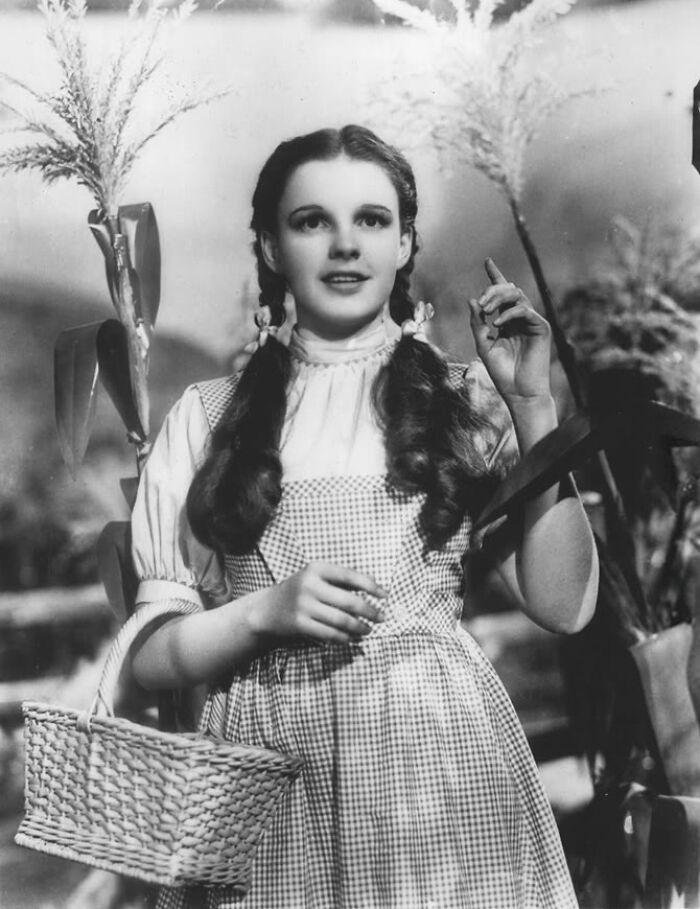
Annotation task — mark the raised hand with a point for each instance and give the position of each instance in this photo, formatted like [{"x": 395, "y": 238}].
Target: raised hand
[
  {"x": 322, "y": 602},
  {"x": 512, "y": 338}
]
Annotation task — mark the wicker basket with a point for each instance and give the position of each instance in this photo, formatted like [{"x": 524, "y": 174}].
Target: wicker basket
[{"x": 167, "y": 808}]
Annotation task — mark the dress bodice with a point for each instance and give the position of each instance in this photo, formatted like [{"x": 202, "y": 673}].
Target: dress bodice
[
  {"x": 336, "y": 504},
  {"x": 360, "y": 523}
]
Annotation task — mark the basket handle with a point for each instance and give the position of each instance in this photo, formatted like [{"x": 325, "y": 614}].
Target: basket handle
[{"x": 120, "y": 648}]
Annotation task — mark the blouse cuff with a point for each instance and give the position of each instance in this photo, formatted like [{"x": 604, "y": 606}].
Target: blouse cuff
[{"x": 167, "y": 590}]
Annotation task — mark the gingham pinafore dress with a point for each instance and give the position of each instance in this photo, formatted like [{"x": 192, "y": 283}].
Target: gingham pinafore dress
[{"x": 419, "y": 790}]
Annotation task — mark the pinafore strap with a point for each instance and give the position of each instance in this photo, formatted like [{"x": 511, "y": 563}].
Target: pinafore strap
[{"x": 216, "y": 395}]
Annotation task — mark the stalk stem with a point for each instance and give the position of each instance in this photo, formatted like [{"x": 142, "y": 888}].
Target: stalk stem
[
  {"x": 619, "y": 529},
  {"x": 138, "y": 340}
]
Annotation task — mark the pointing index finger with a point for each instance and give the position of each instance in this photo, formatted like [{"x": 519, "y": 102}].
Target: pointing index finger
[{"x": 495, "y": 276}]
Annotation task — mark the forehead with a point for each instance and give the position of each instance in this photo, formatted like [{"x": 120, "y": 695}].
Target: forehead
[{"x": 340, "y": 182}]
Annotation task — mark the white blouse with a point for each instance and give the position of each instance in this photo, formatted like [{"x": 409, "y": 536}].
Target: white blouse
[{"x": 329, "y": 430}]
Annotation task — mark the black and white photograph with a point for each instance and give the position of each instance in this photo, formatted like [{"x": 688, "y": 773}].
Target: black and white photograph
[{"x": 350, "y": 454}]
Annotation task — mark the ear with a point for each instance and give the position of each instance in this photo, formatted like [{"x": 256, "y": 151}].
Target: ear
[
  {"x": 405, "y": 248},
  {"x": 270, "y": 251}
]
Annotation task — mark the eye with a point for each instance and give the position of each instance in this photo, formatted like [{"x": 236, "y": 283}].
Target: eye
[
  {"x": 309, "y": 223},
  {"x": 374, "y": 220}
]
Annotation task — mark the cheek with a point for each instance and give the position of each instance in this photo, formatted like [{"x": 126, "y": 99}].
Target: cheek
[
  {"x": 390, "y": 255},
  {"x": 294, "y": 260},
  {"x": 298, "y": 258}
]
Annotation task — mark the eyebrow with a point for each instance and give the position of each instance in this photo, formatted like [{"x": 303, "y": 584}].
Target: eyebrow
[
  {"x": 305, "y": 208},
  {"x": 374, "y": 206}
]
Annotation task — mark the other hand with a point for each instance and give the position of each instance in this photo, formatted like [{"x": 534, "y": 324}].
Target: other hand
[
  {"x": 322, "y": 602},
  {"x": 512, "y": 338}
]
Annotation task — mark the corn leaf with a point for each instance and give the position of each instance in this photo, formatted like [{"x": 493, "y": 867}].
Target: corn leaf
[
  {"x": 138, "y": 223},
  {"x": 75, "y": 390},
  {"x": 100, "y": 231},
  {"x": 568, "y": 447},
  {"x": 116, "y": 568},
  {"x": 114, "y": 371},
  {"x": 129, "y": 487}
]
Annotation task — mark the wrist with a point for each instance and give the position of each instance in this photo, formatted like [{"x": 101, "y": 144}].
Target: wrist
[
  {"x": 256, "y": 615},
  {"x": 243, "y": 618},
  {"x": 541, "y": 400},
  {"x": 533, "y": 418}
]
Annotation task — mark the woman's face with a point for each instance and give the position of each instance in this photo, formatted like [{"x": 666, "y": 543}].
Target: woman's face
[{"x": 339, "y": 244}]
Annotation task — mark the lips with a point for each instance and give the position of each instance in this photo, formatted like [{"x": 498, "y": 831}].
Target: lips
[{"x": 344, "y": 277}]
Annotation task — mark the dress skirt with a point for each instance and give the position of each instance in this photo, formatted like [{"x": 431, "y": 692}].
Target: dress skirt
[{"x": 419, "y": 790}]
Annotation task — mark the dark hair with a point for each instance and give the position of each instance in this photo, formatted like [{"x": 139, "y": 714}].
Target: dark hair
[{"x": 428, "y": 425}]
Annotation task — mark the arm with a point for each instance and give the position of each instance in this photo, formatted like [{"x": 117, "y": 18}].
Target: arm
[
  {"x": 552, "y": 569},
  {"x": 322, "y": 602}
]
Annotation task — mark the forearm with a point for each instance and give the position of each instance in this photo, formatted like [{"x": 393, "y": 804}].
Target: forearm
[
  {"x": 556, "y": 561},
  {"x": 202, "y": 647}
]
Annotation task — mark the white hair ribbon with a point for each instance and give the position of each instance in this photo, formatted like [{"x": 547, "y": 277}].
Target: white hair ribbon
[
  {"x": 415, "y": 327},
  {"x": 263, "y": 320}
]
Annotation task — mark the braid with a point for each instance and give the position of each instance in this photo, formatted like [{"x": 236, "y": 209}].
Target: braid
[
  {"x": 235, "y": 493},
  {"x": 273, "y": 288},
  {"x": 400, "y": 302},
  {"x": 429, "y": 428}
]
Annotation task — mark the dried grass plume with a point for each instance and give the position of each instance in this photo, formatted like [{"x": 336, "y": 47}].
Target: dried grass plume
[
  {"x": 86, "y": 129},
  {"x": 477, "y": 98}
]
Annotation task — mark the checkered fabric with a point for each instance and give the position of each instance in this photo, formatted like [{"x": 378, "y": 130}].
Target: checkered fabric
[
  {"x": 216, "y": 395},
  {"x": 419, "y": 790}
]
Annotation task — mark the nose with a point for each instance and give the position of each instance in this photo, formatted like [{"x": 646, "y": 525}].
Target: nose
[{"x": 344, "y": 244}]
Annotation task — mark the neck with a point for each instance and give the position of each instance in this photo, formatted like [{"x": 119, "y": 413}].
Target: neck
[
  {"x": 340, "y": 338},
  {"x": 305, "y": 345}
]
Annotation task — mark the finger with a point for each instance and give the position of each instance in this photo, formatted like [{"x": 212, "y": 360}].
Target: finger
[
  {"x": 340, "y": 620},
  {"x": 475, "y": 313},
  {"x": 477, "y": 316},
  {"x": 353, "y": 603},
  {"x": 500, "y": 295},
  {"x": 319, "y": 631},
  {"x": 477, "y": 319},
  {"x": 495, "y": 275},
  {"x": 482, "y": 326},
  {"x": 520, "y": 311},
  {"x": 350, "y": 579}
]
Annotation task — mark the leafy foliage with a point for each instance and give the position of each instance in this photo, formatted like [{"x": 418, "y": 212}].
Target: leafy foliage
[
  {"x": 640, "y": 314},
  {"x": 637, "y": 336},
  {"x": 85, "y": 129},
  {"x": 653, "y": 260},
  {"x": 477, "y": 97}
]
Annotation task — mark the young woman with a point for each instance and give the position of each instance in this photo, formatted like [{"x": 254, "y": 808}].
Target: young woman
[{"x": 317, "y": 509}]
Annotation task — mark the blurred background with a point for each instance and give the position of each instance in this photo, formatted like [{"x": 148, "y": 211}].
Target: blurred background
[{"x": 621, "y": 152}]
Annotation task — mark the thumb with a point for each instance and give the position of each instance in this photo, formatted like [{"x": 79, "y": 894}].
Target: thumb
[
  {"x": 476, "y": 317},
  {"x": 474, "y": 310}
]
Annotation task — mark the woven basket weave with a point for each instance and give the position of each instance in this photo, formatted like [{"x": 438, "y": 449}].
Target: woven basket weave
[{"x": 167, "y": 808}]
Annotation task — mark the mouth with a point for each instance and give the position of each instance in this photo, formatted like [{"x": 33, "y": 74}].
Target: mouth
[{"x": 337, "y": 278}]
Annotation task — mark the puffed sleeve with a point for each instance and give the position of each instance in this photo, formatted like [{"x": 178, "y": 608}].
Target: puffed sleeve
[
  {"x": 169, "y": 561},
  {"x": 497, "y": 442}
]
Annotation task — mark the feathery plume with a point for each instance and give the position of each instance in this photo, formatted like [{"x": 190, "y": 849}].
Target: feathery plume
[
  {"x": 85, "y": 129},
  {"x": 477, "y": 99}
]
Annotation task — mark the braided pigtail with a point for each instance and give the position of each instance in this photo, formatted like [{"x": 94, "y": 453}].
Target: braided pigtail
[
  {"x": 235, "y": 493},
  {"x": 429, "y": 425}
]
